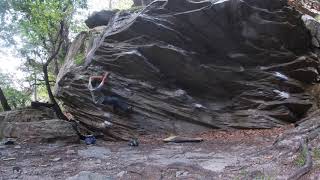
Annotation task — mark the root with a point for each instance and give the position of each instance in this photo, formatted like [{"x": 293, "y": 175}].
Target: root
[{"x": 308, "y": 163}]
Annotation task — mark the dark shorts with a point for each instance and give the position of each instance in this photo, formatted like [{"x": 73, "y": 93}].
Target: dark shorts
[{"x": 116, "y": 102}]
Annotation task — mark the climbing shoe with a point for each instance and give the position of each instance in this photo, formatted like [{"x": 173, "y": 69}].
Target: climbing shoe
[{"x": 133, "y": 142}]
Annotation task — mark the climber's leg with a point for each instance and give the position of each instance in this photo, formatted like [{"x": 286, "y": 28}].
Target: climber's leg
[{"x": 116, "y": 103}]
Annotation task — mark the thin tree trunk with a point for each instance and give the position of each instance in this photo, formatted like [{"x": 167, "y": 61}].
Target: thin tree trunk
[
  {"x": 35, "y": 87},
  {"x": 4, "y": 101},
  {"x": 56, "y": 67},
  {"x": 51, "y": 97},
  {"x": 110, "y": 4},
  {"x": 46, "y": 77}
]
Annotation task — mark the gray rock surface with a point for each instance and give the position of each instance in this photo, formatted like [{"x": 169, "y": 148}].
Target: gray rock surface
[
  {"x": 314, "y": 27},
  {"x": 247, "y": 63},
  {"x": 86, "y": 175},
  {"x": 224, "y": 156},
  {"x": 94, "y": 152},
  {"x": 100, "y": 18}
]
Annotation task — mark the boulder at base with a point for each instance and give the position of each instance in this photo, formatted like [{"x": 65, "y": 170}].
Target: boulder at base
[
  {"x": 188, "y": 66},
  {"x": 36, "y": 126}
]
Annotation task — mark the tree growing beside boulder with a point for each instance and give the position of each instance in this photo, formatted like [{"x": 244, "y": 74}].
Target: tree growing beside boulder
[
  {"x": 45, "y": 26},
  {"x": 4, "y": 101}
]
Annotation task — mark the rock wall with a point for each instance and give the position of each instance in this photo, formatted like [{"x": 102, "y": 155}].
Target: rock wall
[
  {"x": 314, "y": 27},
  {"x": 188, "y": 66}
]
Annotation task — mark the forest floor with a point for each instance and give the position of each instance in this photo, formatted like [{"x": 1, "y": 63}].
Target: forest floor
[{"x": 222, "y": 155}]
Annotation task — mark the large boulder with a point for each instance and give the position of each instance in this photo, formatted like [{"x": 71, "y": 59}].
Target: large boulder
[
  {"x": 36, "y": 126},
  {"x": 187, "y": 66},
  {"x": 100, "y": 18},
  {"x": 313, "y": 26}
]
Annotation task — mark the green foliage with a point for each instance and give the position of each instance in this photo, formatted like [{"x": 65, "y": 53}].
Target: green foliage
[
  {"x": 8, "y": 24},
  {"x": 16, "y": 98},
  {"x": 40, "y": 21},
  {"x": 5, "y": 79},
  {"x": 316, "y": 154},
  {"x": 41, "y": 26},
  {"x": 42, "y": 93},
  {"x": 301, "y": 159},
  {"x": 123, "y": 4},
  {"x": 79, "y": 59},
  {"x": 16, "y": 95},
  {"x": 318, "y": 18}
]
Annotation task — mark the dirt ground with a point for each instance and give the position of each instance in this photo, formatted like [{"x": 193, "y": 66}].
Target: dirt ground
[{"x": 222, "y": 155}]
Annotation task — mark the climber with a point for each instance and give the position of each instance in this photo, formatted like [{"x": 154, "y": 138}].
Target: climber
[{"x": 95, "y": 86}]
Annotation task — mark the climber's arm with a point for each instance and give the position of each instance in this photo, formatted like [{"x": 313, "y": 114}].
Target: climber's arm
[
  {"x": 102, "y": 78},
  {"x": 105, "y": 77},
  {"x": 90, "y": 82},
  {"x": 103, "y": 81},
  {"x": 100, "y": 85},
  {"x": 97, "y": 77}
]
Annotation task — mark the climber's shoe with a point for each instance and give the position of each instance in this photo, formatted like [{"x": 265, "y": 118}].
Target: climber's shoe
[
  {"x": 9, "y": 142},
  {"x": 108, "y": 124},
  {"x": 90, "y": 139},
  {"x": 133, "y": 142}
]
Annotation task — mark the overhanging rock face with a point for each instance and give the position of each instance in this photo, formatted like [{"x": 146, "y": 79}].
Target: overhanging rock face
[{"x": 186, "y": 66}]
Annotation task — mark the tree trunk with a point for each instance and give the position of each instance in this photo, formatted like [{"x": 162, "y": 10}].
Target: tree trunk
[
  {"x": 56, "y": 107},
  {"x": 4, "y": 101},
  {"x": 60, "y": 39},
  {"x": 56, "y": 67},
  {"x": 110, "y": 4},
  {"x": 35, "y": 88}
]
